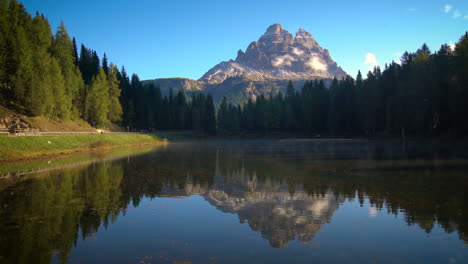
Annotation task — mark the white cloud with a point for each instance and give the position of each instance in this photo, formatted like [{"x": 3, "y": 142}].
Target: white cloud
[
  {"x": 452, "y": 46},
  {"x": 297, "y": 51},
  {"x": 372, "y": 60},
  {"x": 466, "y": 16},
  {"x": 412, "y": 9},
  {"x": 316, "y": 64},
  {"x": 456, "y": 14},
  {"x": 447, "y": 8},
  {"x": 373, "y": 212},
  {"x": 285, "y": 60}
]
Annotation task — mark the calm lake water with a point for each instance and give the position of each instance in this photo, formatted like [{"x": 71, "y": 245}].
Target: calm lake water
[{"x": 243, "y": 202}]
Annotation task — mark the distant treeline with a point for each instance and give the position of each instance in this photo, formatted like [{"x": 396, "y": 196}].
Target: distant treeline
[
  {"x": 41, "y": 73},
  {"x": 146, "y": 108}
]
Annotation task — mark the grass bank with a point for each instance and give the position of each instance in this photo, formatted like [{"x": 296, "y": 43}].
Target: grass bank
[{"x": 21, "y": 148}]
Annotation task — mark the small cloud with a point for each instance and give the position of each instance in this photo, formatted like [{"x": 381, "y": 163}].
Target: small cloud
[
  {"x": 456, "y": 14},
  {"x": 447, "y": 8},
  {"x": 316, "y": 64},
  {"x": 373, "y": 212},
  {"x": 372, "y": 60},
  {"x": 297, "y": 52},
  {"x": 452, "y": 46},
  {"x": 285, "y": 60},
  {"x": 466, "y": 16},
  {"x": 412, "y": 9}
]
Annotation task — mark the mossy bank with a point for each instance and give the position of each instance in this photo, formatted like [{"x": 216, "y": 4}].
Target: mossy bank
[{"x": 20, "y": 148}]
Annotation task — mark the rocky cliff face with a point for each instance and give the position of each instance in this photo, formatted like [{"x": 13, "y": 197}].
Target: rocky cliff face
[
  {"x": 278, "y": 55},
  {"x": 9, "y": 120}
]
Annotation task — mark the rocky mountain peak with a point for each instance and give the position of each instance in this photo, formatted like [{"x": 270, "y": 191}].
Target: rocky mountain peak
[
  {"x": 274, "y": 29},
  {"x": 278, "y": 55},
  {"x": 276, "y": 34},
  {"x": 301, "y": 33}
]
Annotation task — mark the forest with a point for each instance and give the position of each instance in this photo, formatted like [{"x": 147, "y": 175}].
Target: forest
[
  {"x": 41, "y": 74},
  {"x": 44, "y": 74},
  {"x": 423, "y": 96}
]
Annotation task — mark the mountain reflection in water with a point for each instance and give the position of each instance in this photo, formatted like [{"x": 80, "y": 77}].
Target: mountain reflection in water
[{"x": 287, "y": 191}]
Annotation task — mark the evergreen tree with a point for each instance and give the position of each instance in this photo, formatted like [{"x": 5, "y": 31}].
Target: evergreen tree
[
  {"x": 223, "y": 115},
  {"x": 75, "y": 52},
  {"x": 105, "y": 64},
  {"x": 209, "y": 118},
  {"x": 59, "y": 108},
  {"x": 40, "y": 96},
  {"x": 98, "y": 100},
  {"x": 62, "y": 50},
  {"x": 115, "y": 109},
  {"x": 3, "y": 49},
  {"x": 20, "y": 53}
]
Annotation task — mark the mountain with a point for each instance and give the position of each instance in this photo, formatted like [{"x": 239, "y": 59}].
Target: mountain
[
  {"x": 264, "y": 68},
  {"x": 176, "y": 84},
  {"x": 267, "y": 207},
  {"x": 277, "y": 55}
]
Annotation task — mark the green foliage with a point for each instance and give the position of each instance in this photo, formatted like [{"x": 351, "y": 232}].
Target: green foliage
[
  {"x": 115, "y": 109},
  {"x": 97, "y": 100},
  {"x": 41, "y": 74},
  {"x": 14, "y": 148},
  {"x": 63, "y": 51}
]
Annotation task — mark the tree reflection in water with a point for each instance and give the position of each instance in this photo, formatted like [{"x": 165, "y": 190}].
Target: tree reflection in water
[{"x": 284, "y": 190}]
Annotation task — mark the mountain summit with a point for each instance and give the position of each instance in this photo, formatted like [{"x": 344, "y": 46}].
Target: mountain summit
[{"x": 278, "y": 55}]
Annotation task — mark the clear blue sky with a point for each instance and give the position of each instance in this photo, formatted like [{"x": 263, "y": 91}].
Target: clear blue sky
[{"x": 185, "y": 38}]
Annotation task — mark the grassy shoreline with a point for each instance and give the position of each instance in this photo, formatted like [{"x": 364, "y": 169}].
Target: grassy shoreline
[{"x": 26, "y": 148}]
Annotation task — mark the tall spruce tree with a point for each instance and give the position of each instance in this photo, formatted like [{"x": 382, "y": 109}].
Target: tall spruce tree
[
  {"x": 40, "y": 97},
  {"x": 63, "y": 52},
  {"x": 98, "y": 100},
  {"x": 115, "y": 109}
]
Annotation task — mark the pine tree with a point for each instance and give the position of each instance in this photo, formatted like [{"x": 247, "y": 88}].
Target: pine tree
[
  {"x": 98, "y": 100},
  {"x": 40, "y": 98},
  {"x": 62, "y": 50},
  {"x": 115, "y": 109},
  {"x": 105, "y": 65},
  {"x": 223, "y": 115},
  {"x": 210, "y": 119},
  {"x": 20, "y": 53},
  {"x": 75, "y": 52},
  {"x": 3, "y": 49},
  {"x": 59, "y": 109}
]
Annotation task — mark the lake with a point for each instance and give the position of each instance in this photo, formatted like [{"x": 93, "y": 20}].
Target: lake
[{"x": 291, "y": 201}]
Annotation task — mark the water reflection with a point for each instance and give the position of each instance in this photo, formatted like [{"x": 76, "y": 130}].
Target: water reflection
[{"x": 286, "y": 191}]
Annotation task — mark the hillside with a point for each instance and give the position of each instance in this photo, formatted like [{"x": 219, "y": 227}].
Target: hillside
[{"x": 11, "y": 120}]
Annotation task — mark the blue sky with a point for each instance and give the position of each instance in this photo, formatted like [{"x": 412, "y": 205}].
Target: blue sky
[{"x": 185, "y": 38}]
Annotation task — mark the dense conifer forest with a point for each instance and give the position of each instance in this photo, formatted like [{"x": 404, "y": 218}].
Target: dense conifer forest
[
  {"x": 425, "y": 95},
  {"x": 45, "y": 74}
]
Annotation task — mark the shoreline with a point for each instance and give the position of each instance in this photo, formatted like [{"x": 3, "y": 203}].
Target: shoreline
[{"x": 14, "y": 149}]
